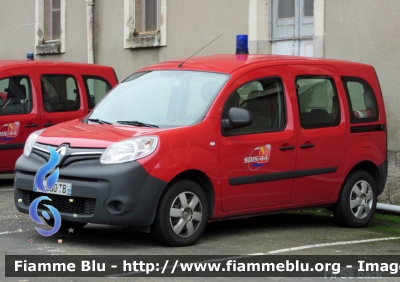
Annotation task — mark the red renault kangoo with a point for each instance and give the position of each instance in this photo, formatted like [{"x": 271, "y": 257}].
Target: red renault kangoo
[{"x": 180, "y": 144}]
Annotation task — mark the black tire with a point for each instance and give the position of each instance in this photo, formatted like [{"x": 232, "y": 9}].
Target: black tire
[
  {"x": 189, "y": 218},
  {"x": 65, "y": 224},
  {"x": 357, "y": 200}
]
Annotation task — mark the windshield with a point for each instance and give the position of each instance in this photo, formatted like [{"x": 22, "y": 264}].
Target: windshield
[{"x": 161, "y": 98}]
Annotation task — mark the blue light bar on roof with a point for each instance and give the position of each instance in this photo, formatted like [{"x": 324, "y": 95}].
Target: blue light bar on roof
[
  {"x": 30, "y": 56},
  {"x": 242, "y": 44}
]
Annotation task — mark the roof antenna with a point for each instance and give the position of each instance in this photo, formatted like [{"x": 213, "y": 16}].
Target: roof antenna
[{"x": 180, "y": 65}]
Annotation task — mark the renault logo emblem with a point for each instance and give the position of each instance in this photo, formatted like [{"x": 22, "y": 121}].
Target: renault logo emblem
[{"x": 61, "y": 150}]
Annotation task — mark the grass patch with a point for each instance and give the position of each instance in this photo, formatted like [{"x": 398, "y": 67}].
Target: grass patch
[
  {"x": 394, "y": 230},
  {"x": 381, "y": 222},
  {"x": 326, "y": 213},
  {"x": 386, "y": 223}
]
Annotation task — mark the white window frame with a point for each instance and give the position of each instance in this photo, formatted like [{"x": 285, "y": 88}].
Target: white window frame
[
  {"x": 133, "y": 39},
  {"x": 43, "y": 46}
]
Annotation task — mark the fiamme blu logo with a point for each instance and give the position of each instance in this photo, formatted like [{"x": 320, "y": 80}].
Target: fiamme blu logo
[{"x": 43, "y": 184}]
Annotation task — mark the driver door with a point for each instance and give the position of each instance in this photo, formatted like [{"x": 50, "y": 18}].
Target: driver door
[{"x": 257, "y": 160}]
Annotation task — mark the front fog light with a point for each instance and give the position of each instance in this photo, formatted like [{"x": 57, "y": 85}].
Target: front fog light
[
  {"x": 129, "y": 150},
  {"x": 31, "y": 142}
]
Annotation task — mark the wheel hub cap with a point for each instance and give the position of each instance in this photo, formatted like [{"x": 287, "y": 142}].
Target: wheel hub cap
[
  {"x": 361, "y": 199},
  {"x": 187, "y": 214}
]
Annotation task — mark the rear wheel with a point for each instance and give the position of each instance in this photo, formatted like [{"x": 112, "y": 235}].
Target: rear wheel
[
  {"x": 357, "y": 201},
  {"x": 182, "y": 214}
]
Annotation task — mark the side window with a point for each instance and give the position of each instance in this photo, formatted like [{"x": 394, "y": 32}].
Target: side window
[
  {"x": 52, "y": 19},
  {"x": 292, "y": 26},
  {"x": 96, "y": 88},
  {"x": 146, "y": 23},
  {"x": 15, "y": 95},
  {"x": 265, "y": 100},
  {"x": 362, "y": 102},
  {"x": 60, "y": 93},
  {"x": 147, "y": 15},
  {"x": 318, "y": 101}
]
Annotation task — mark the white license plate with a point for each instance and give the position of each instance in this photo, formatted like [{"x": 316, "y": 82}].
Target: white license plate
[{"x": 60, "y": 188}]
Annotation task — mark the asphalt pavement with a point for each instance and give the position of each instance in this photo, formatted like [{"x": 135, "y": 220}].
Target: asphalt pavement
[{"x": 305, "y": 232}]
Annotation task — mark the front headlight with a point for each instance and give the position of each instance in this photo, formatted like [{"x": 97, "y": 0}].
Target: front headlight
[
  {"x": 30, "y": 142},
  {"x": 129, "y": 150}
]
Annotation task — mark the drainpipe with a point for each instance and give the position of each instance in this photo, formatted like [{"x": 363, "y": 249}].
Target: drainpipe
[
  {"x": 89, "y": 21},
  {"x": 388, "y": 208}
]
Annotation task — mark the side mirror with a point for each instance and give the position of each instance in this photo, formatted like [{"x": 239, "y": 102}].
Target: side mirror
[{"x": 237, "y": 118}]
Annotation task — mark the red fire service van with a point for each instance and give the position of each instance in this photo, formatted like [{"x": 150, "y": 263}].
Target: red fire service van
[
  {"x": 186, "y": 142},
  {"x": 38, "y": 94}
]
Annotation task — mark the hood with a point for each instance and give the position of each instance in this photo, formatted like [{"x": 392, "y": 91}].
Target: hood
[{"x": 82, "y": 135}]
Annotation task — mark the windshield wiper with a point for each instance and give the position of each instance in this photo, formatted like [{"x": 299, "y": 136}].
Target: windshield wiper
[
  {"x": 136, "y": 123},
  {"x": 99, "y": 121}
]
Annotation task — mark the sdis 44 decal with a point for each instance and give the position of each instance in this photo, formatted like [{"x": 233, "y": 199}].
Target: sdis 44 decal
[
  {"x": 258, "y": 157},
  {"x": 9, "y": 131}
]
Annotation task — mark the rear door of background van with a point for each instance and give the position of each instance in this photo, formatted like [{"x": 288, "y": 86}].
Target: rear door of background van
[
  {"x": 19, "y": 115},
  {"x": 62, "y": 96},
  {"x": 98, "y": 81}
]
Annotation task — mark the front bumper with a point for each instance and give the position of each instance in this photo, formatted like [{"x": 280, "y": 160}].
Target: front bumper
[{"x": 121, "y": 194}]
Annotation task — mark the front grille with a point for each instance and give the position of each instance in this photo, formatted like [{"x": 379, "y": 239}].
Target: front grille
[
  {"x": 83, "y": 206},
  {"x": 71, "y": 155}
]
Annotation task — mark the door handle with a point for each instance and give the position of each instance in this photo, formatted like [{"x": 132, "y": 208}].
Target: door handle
[
  {"x": 305, "y": 146},
  {"x": 31, "y": 125},
  {"x": 289, "y": 147},
  {"x": 48, "y": 124}
]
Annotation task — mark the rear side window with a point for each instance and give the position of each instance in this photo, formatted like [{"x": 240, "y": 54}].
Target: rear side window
[
  {"x": 15, "y": 95},
  {"x": 362, "y": 102},
  {"x": 264, "y": 99},
  {"x": 96, "y": 88},
  {"x": 60, "y": 93},
  {"x": 318, "y": 101}
]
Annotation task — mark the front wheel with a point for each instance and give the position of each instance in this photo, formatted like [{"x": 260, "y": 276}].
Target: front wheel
[
  {"x": 182, "y": 214},
  {"x": 357, "y": 200}
]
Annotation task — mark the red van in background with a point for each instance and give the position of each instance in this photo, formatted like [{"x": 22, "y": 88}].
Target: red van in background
[{"x": 38, "y": 94}]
